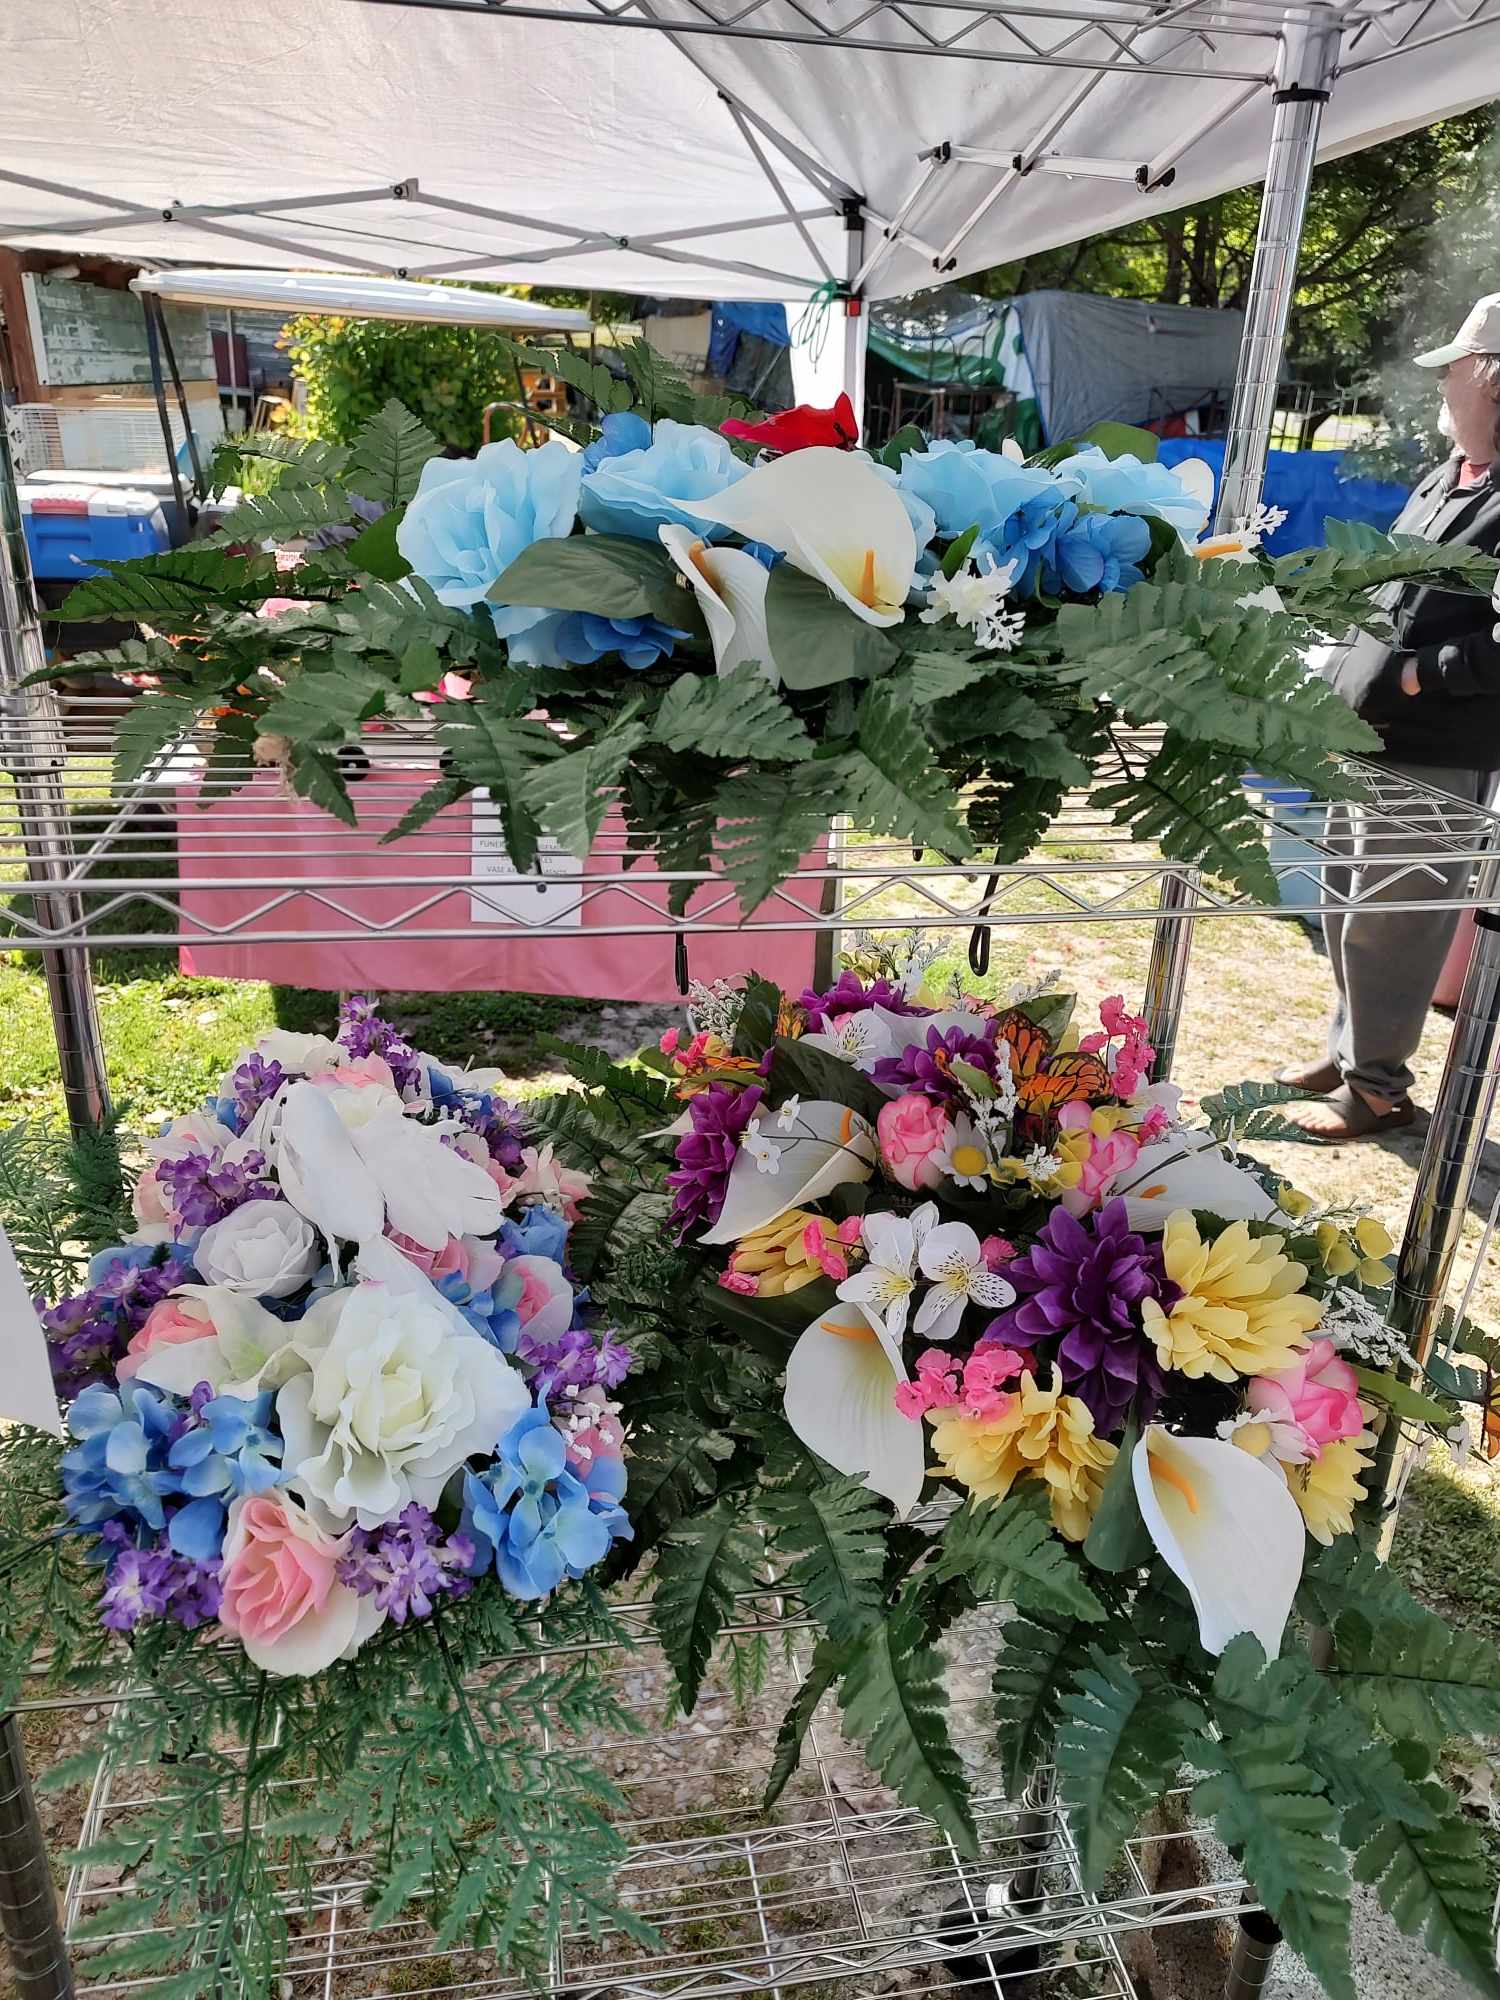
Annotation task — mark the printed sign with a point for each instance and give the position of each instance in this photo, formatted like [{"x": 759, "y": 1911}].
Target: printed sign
[{"x": 530, "y": 899}]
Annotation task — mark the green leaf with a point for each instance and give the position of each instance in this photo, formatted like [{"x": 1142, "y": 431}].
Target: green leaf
[
  {"x": 375, "y": 550},
  {"x": 286, "y": 513},
  {"x": 1435, "y": 1882},
  {"x": 1119, "y": 1747},
  {"x": 828, "y": 1662},
  {"x": 1117, "y": 1538},
  {"x": 316, "y": 776},
  {"x": 231, "y": 757},
  {"x": 1267, "y": 1805},
  {"x": 1008, "y": 1551},
  {"x": 1113, "y": 439},
  {"x": 732, "y": 716},
  {"x": 893, "y": 783},
  {"x": 615, "y": 576},
  {"x": 816, "y": 641},
  {"x": 1402, "y": 1398},
  {"x": 324, "y": 707},
  {"x": 700, "y": 1567},
  {"x": 173, "y": 588},
  {"x": 895, "y": 1705},
  {"x": 571, "y": 795},
  {"x": 1039, "y": 1659},
  {"x": 148, "y": 725},
  {"x": 834, "y": 1534},
  {"x": 1191, "y": 805},
  {"x": 387, "y": 457},
  {"x": 958, "y": 551},
  {"x": 676, "y": 1465},
  {"x": 928, "y": 677},
  {"x": 493, "y": 748},
  {"x": 1346, "y": 1577},
  {"x": 797, "y": 1070},
  {"x": 439, "y": 795},
  {"x": 908, "y": 438},
  {"x": 768, "y": 820},
  {"x": 303, "y": 461},
  {"x": 1418, "y": 1680}
]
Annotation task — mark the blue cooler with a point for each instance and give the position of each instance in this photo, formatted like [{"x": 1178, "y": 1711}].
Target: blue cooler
[
  {"x": 1299, "y": 826},
  {"x": 71, "y": 529}
]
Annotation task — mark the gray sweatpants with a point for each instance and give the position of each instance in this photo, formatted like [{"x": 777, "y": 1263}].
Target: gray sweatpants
[{"x": 1386, "y": 963}]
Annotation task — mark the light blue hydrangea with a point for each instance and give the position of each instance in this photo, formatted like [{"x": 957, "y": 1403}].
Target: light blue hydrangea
[
  {"x": 1095, "y": 552},
  {"x": 531, "y": 1519},
  {"x": 472, "y": 517},
  {"x": 966, "y": 487},
  {"x": 1128, "y": 485},
  {"x": 637, "y": 492}
]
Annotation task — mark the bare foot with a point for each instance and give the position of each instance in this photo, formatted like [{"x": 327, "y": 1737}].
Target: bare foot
[{"x": 1348, "y": 1114}]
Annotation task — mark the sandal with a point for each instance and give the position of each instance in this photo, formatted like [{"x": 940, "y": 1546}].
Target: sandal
[
  {"x": 1359, "y": 1120},
  {"x": 1318, "y": 1078}
]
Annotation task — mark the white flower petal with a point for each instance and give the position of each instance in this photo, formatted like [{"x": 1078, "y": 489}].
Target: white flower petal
[
  {"x": 830, "y": 1145},
  {"x": 320, "y": 1173},
  {"x": 948, "y": 1241},
  {"x": 1197, "y": 475},
  {"x": 939, "y": 1314},
  {"x": 1189, "y": 1170},
  {"x": 841, "y": 1381},
  {"x": 834, "y": 520},
  {"x": 988, "y": 1288},
  {"x": 1228, "y": 1529},
  {"x": 730, "y": 586}
]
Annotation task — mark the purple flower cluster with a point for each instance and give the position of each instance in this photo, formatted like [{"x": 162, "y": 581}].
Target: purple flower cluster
[
  {"x": 499, "y": 1125},
  {"x": 850, "y": 995},
  {"x": 927, "y": 1068},
  {"x": 406, "y": 1563},
  {"x": 155, "y": 1583},
  {"x": 89, "y": 1332},
  {"x": 201, "y": 1191},
  {"x": 577, "y": 1360},
  {"x": 700, "y": 1179},
  {"x": 1081, "y": 1288},
  {"x": 247, "y": 1088},
  {"x": 363, "y": 1033}
]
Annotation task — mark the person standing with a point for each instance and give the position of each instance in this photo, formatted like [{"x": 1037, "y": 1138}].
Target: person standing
[{"x": 1433, "y": 693}]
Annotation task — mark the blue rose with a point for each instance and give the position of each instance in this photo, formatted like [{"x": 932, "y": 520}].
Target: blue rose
[
  {"x": 538, "y": 1232},
  {"x": 966, "y": 487},
  {"x": 578, "y": 638},
  {"x": 1127, "y": 485},
  {"x": 472, "y": 517},
  {"x": 620, "y": 432},
  {"x": 636, "y": 492}
]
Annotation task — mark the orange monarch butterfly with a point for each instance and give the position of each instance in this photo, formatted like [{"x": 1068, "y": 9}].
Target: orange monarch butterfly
[{"x": 1046, "y": 1081}]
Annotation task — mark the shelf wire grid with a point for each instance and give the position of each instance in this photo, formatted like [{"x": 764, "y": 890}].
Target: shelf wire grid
[
  {"x": 837, "y": 1888},
  {"x": 150, "y": 863}
]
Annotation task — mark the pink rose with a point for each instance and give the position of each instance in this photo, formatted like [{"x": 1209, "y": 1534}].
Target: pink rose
[
  {"x": 1319, "y": 1394},
  {"x": 545, "y": 1303},
  {"x": 1109, "y": 1155},
  {"x": 147, "y": 1202},
  {"x": 913, "y": 1130},
  {"x": 282, "y": 1597},
  {"x": 367, "y": 1073},
  {"x": 169, "y": 1323}
]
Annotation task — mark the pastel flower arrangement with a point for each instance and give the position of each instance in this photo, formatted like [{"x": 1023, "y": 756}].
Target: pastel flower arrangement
[
  {"x": 1019, "y": 1266},
  {"x": 340, "y": 1371}
]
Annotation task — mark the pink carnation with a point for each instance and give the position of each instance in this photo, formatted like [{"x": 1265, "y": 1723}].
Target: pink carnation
[
  {"x": 744, "y": 1282},
  {"x": 913, "y": 1130},
  {"x": 1319, "y": 1394},
  {"x": 997, "y": 1251}
]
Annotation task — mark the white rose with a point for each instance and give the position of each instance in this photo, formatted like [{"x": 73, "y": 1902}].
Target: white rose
[
  {"x": 298, "y": 1055},
  {"x": 195, "y": 1132},
  {"x": 396, "y": 1399},
  {"x": 263, "y": 1247}
]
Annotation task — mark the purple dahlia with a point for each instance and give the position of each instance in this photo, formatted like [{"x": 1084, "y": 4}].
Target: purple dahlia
[
  {"x": 700, "y": 1179},
  {"x": 850, "y": 995},
  {"x": 927, "y": 1067},
  {"x": 1081, "y": 1286}
]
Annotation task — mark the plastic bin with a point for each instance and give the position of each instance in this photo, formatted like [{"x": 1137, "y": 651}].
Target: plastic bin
[{"x": 71, "y": 529}]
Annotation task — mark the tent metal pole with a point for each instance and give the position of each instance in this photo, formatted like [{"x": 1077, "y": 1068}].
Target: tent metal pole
[
  {"x": 31, "y": 749},
  {"x": 855, "y": 324},
  {"x": 1309, "y": 54}
]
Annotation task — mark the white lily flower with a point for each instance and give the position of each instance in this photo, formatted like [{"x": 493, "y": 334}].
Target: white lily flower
[
  {"x": 828, "y": 1145},
  {"x": 859, "y": 1039},
  {"x": 840, "y": 1399},
  {"x": 762, "y": 1149},
  {"x": 834, "y": 520},
  {"x": 1226, "y": 1526},
  {"x": 1189, "y": 1170},
  {"x": 730, "y": 586},
  {"x": 950, "y": 1255},
  {"x": 885, "y": 1282}
]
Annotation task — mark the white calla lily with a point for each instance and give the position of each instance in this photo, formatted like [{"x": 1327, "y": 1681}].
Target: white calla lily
[
  {"x": 834, "y": 520},
  {"x": 1197, "y": 475},
  {"x": 827, "y": 1145},
  {"x": 730, "y": 586},
  {"x": 1225, "y": 1525},
  {"x": 1189, "y": 1170},
  {"x": 840, "y": 1399}
]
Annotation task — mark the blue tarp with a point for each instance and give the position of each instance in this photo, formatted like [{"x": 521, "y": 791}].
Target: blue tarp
[
  {"x": 1309, "y": 484},
  {"x": 732, "y": 318}
]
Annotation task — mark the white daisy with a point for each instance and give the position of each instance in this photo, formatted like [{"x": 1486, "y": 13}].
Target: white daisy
[
  {"x": 786, "y": 1117},
  {"x": 964, "y": 1157}
]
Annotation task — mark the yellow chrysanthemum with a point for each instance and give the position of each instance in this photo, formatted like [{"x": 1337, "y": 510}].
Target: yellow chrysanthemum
[
  {"x": 1328, "y": 1487},
  {"x": 1242, "y": 1311},
  {"x": 1041, "y": 1434},
  {"x": 779, "y": 1255}
]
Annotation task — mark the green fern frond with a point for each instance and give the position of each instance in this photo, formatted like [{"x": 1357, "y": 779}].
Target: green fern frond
[
  {"x": 1420, "y": 1680},
  {"x": 700, "y": 1566},
  {"x": 834, "y": 1535},
  {"x": 1119, "y": 1745},
  {"x": 1008, "y": 1551},
  {"x": 896, "y": 1707},
  {"x": 1436, "y": 1884},
  {"x": 1040, "y": 1656}
]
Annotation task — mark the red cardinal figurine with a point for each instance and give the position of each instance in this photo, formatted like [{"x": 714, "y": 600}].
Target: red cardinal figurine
[{"x": 795, "y": 430}]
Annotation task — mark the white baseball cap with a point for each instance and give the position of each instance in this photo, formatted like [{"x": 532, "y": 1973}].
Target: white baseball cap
[{"x": 1479, "y": 334}]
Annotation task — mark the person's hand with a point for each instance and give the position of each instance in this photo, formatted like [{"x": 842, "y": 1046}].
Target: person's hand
[{"x": 1410, "y": 684}]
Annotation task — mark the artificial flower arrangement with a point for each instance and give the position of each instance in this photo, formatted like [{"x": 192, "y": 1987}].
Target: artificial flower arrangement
[
  {"x": 737, "y": 629},
  {"x": 343, "y": 1430},
  {"x": 976, "y": 1316}
]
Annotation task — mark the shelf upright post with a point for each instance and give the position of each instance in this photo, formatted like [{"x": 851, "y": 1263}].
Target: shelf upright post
[
  {"x": 1166, "y": 976},
  {"x": 31, "y": 749},
  {"x": 1304, "y": 78},
  {"x": 28, "y": 1901},
  {"x": 1445, "y": 1177}
]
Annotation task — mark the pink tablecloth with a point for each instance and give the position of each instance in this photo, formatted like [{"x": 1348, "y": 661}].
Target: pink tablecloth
[{"x": 304, "y": 873}]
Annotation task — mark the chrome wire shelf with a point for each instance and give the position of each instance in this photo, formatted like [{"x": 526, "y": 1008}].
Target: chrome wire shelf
[
  {"x": 150, "y": 863},
  {"x": 837, "y": 1887}
]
